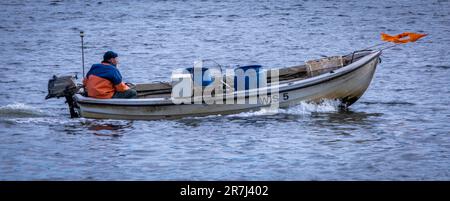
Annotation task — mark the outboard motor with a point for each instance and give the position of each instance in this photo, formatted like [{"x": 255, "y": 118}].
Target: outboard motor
[{"x": 64, "y": 86}]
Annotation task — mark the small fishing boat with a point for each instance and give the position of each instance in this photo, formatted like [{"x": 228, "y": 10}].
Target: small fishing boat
[{"x": 342, "y": 78}]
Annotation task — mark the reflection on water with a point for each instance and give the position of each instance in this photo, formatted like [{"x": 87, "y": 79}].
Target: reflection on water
[
  {"x": 108, "y": 129},
  {"x": 114, "y": 128},
  {"x": 347, "y": 117}
]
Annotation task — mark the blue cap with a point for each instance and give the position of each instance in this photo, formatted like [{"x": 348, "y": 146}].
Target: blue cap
[{"x": 109, "y": 55}]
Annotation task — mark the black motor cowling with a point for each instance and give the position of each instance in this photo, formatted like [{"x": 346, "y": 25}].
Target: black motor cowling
[{"x": 64, "y": 86}]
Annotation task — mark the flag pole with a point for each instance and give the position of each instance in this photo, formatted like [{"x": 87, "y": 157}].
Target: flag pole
[{"x": 379, "y": 44}]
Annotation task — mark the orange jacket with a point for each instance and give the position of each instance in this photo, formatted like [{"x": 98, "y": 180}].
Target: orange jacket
[{"x": 102, "y": 81}]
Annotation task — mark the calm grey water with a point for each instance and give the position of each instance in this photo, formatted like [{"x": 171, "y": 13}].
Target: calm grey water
[{"x": 399, "y": 130}]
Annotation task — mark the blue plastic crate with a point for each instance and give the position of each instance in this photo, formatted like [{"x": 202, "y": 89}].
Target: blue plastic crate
[{"x": 256, "y": 68}]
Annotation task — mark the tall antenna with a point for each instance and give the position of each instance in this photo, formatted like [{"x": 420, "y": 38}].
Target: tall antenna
[{"x": 82, "y": 50}]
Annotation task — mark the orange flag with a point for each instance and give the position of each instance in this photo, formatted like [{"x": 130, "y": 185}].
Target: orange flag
[
  {"x": 413, "y": 37},
  {"x": 401, "y": 38}
]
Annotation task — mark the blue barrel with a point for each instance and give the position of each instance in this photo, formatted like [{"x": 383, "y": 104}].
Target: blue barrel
[
  {"x": 256, "y": 68},
  {"x": 206, "y": 78}
]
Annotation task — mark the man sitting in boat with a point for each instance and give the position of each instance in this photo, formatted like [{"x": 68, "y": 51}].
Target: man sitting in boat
[{"x": 105, "y": 81}]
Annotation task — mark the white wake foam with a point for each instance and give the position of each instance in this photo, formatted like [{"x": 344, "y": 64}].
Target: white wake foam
[
  {"x": 303, "y": 108},
  {"x": 324, "y": 106},
  {"x": 20, "y": 110}
]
